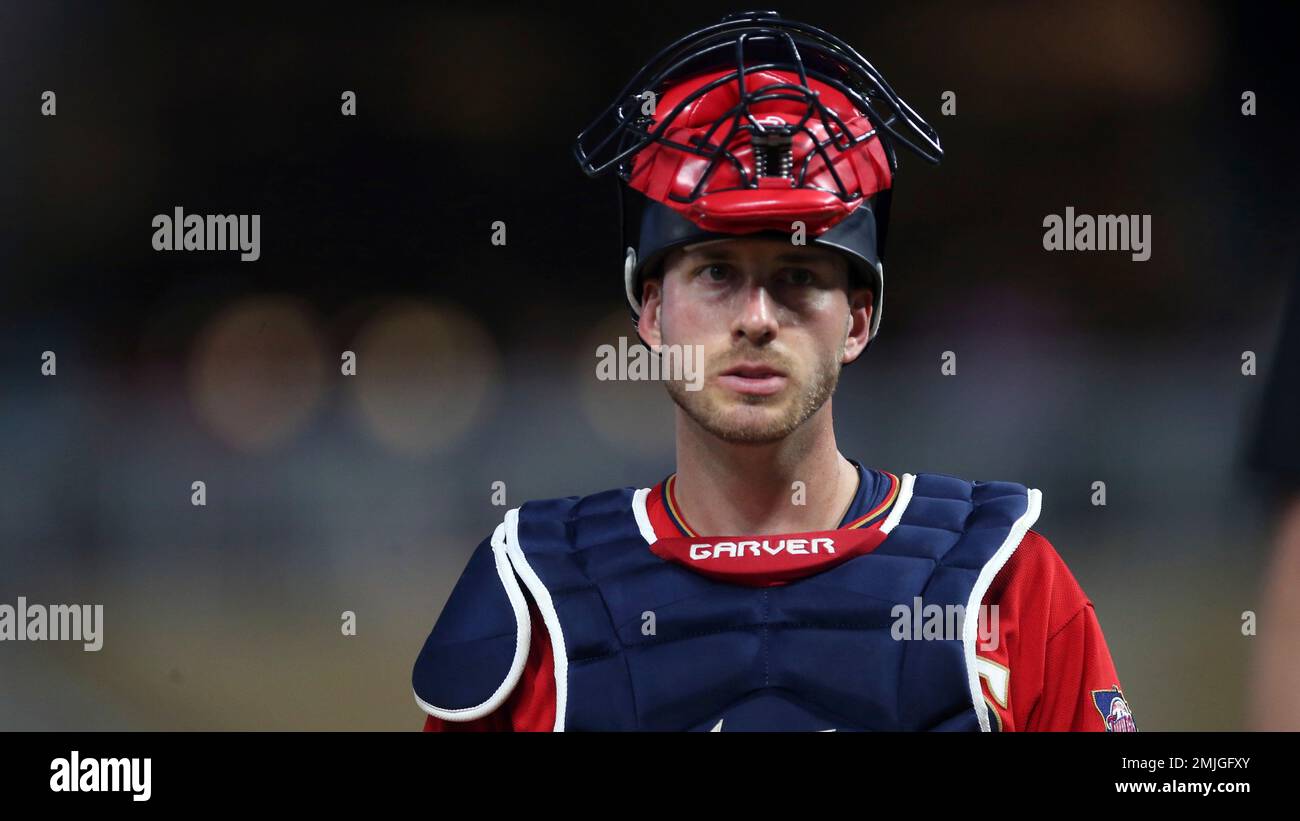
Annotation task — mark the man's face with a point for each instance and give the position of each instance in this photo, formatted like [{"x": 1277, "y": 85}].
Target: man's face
[{"x": 776, "y": 322}]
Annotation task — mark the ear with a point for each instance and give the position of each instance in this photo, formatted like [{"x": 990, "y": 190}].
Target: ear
[
  {"x": 649, "y": 327},
  {"x": 859, "y": 324}
]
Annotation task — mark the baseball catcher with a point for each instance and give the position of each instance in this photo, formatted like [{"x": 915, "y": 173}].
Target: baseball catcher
[{"x": 769, "y": 583}]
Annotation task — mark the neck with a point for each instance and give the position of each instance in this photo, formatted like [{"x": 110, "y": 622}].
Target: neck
[{"x": 728, "y": 488}]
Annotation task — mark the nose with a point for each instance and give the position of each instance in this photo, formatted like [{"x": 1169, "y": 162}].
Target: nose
[{"x": 756, "y": 319}]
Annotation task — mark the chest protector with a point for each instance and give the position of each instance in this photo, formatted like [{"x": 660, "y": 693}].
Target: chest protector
[{"x": 641, "y": 643}]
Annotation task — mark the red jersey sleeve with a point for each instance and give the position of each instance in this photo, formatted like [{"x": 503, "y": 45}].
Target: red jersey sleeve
[
  {"x": 1049, "y": 668},
  {"x": 531, "y": 707}
]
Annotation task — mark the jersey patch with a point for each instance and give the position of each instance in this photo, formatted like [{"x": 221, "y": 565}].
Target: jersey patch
[{"x": 1114, "y": 710}]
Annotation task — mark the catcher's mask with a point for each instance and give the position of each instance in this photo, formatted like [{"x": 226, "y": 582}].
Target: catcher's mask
[{"x": 757, "y": 125}]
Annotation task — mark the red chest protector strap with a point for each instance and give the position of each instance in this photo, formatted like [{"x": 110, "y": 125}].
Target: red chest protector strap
[{"x": 767, "y": 561}]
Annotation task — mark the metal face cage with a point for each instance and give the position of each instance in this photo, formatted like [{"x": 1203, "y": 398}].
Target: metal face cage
[{"x": 746, "y": 43}]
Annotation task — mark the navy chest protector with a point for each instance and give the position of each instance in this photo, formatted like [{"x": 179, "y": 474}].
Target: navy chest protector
[{"x": 641, "y": 643}]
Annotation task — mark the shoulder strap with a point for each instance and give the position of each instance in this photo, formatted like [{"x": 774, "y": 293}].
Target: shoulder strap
[{"x": 476, "y": 652}]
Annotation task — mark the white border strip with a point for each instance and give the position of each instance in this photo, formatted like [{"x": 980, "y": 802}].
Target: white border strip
[
  {"x": 970, "y": 626},
  {"x": 904, "y": 499},
  {"x": 542, "y": 598},
  {"x": 523, "y": 638},
  {"x": 642, "y": 516}
]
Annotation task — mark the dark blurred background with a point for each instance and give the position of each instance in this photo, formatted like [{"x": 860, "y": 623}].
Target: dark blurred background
[{"x": 328, "y": 493}]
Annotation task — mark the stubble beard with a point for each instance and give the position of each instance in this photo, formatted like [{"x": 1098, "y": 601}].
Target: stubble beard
[{"x": 723, "y": 419}]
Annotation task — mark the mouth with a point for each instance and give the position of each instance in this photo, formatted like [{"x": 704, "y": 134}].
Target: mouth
[{"x": 753, "y": 379}]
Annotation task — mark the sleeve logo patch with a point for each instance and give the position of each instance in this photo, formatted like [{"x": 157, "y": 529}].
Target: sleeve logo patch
[{"x": 1114, "y": 710}]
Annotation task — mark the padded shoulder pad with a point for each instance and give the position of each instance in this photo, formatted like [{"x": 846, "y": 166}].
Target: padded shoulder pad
[{"x": 476, "y": 652}]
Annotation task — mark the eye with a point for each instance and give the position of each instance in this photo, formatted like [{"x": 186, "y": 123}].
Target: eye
[
  {"x": 714, "y": 272},
  {"x": 800, "y": 276}
]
